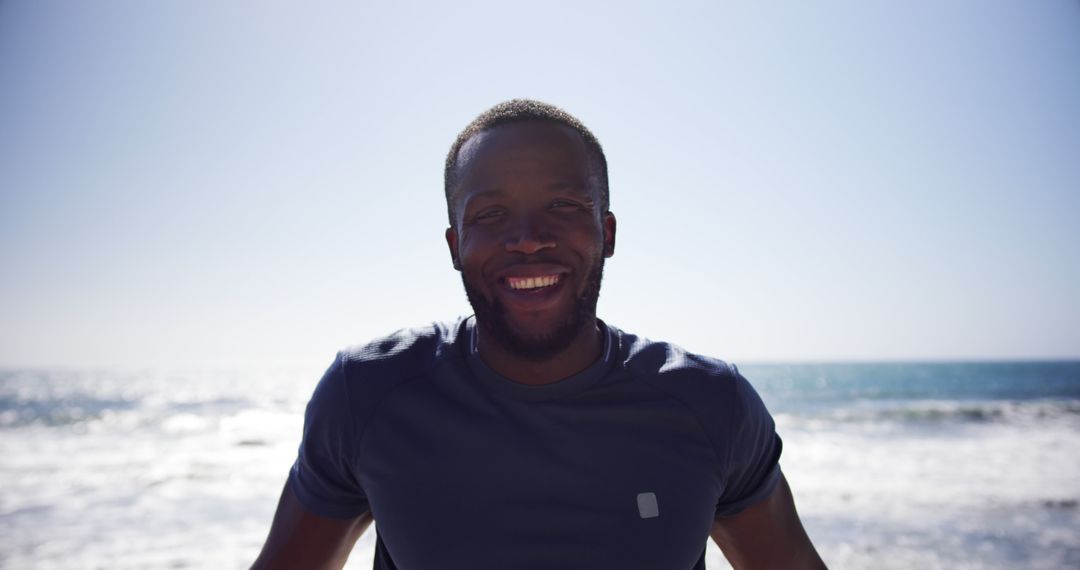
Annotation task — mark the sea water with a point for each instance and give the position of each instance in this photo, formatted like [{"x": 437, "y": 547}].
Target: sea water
[{"x": 893, "y": 465}]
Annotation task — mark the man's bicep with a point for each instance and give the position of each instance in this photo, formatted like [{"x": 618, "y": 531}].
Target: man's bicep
[
  {"x": 767, "y": 534},
  {"x": 301, "y": 539}
]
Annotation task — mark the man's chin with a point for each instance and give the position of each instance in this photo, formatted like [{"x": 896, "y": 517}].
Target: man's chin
[
  {"x": 533, "y": 342},
  {"x": 540, "y": 338}
]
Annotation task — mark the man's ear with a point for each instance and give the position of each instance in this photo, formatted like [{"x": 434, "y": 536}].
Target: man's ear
[
  {"x": 609, "y": 233},
  {"x": 452, "y": 242}
]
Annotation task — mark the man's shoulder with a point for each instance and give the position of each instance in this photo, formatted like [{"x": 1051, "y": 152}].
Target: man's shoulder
[
  {"x": 703, "y": 383},
  {"x": 667, "y": 361},
  {"x": 716, "y": 392},
  {"x": 404, "y": 353}
]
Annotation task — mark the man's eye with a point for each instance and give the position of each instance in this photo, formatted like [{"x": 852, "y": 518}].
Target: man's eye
[
  {"x": 488, "y": 214},
  {"x": 563, "y": 204}
]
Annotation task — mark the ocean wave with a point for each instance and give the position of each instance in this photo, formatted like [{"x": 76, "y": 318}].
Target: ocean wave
[
  {"x": 945, "y": 412},
  {"x": 58, "y": 412},
  {"x": 66, "y": 398}
]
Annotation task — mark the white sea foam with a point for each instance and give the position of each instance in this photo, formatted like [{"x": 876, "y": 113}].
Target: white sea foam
[{"x": 981, "y": 496}]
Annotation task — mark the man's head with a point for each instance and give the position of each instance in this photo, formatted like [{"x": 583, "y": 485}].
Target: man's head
[
  {"x": 526, "y": 188},
  {"x": 520, "y": 111}
]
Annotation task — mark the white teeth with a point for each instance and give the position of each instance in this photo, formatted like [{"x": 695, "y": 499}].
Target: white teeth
[{"x": 532, "y": 282}]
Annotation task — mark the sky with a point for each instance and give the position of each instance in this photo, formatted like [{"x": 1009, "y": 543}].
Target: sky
[{"x": 241, "y": 183}]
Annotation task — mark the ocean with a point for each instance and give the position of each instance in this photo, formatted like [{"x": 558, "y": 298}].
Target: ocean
[{"x": 893, "y": 465}]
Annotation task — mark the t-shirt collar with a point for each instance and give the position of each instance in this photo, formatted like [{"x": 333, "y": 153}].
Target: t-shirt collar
[{"x": 563, "y": 388}]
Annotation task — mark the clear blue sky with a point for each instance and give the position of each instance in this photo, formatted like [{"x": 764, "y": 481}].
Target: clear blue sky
[{"x": 228, "y": 182}]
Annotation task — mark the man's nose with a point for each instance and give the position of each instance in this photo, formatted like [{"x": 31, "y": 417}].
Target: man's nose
[{"x": 529, "y": 237}]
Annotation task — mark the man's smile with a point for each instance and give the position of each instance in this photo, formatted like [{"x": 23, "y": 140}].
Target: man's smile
[
  {"x": 525, "y": 283},
  {"x": 521, "y": 277},
  {"x": 533, "y": 287}
]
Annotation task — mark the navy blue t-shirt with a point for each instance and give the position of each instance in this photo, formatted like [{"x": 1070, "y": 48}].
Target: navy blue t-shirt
[{"x": 624, "y": 465}]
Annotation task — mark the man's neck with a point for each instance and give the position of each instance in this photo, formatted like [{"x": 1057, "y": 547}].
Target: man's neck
[{"x": 585, "y": 349}]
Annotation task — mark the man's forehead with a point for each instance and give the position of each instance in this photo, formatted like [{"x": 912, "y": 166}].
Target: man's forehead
[
  {"x": 550, "y": 154},
  {"x": 506, "y": 140}
]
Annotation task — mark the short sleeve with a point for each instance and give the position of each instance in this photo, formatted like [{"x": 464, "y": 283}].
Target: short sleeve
[
  {"x": 322, "y": 476},
  {"x": 752, "y": 469}
]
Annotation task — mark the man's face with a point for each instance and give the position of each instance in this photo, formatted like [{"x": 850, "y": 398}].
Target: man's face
[{"x": 529, "y": 240}]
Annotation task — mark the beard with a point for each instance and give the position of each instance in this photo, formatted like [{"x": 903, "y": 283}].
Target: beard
[{"x": 491, "y": 314}]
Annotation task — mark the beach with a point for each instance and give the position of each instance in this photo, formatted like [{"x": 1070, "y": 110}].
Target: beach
[{"x": 893, "y": 465}]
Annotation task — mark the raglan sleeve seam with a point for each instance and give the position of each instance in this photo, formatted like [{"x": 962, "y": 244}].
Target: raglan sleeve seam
[{"x": 353, "y": 435}]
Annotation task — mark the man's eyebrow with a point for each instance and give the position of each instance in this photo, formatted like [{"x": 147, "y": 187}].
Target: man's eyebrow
[
  {"x": 492, "y": 193},
  {"x": 561, "y": 186}
]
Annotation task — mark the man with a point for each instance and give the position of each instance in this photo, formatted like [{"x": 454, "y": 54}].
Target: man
[{"x": 533, "y": 435}]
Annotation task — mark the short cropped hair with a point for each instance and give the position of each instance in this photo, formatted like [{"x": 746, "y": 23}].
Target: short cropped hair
[{"x": 519, "y": 111}]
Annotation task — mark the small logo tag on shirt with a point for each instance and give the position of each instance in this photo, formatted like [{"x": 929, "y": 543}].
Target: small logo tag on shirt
[{"x": 646, "y": 505}]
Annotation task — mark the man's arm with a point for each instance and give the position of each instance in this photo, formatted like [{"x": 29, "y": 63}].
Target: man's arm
[
  {"x": 300, "y": 539},
  {"x": 767, "y": 535}
]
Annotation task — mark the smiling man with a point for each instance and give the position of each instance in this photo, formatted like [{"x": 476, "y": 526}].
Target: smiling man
[{"x": 533, "y": 435}]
